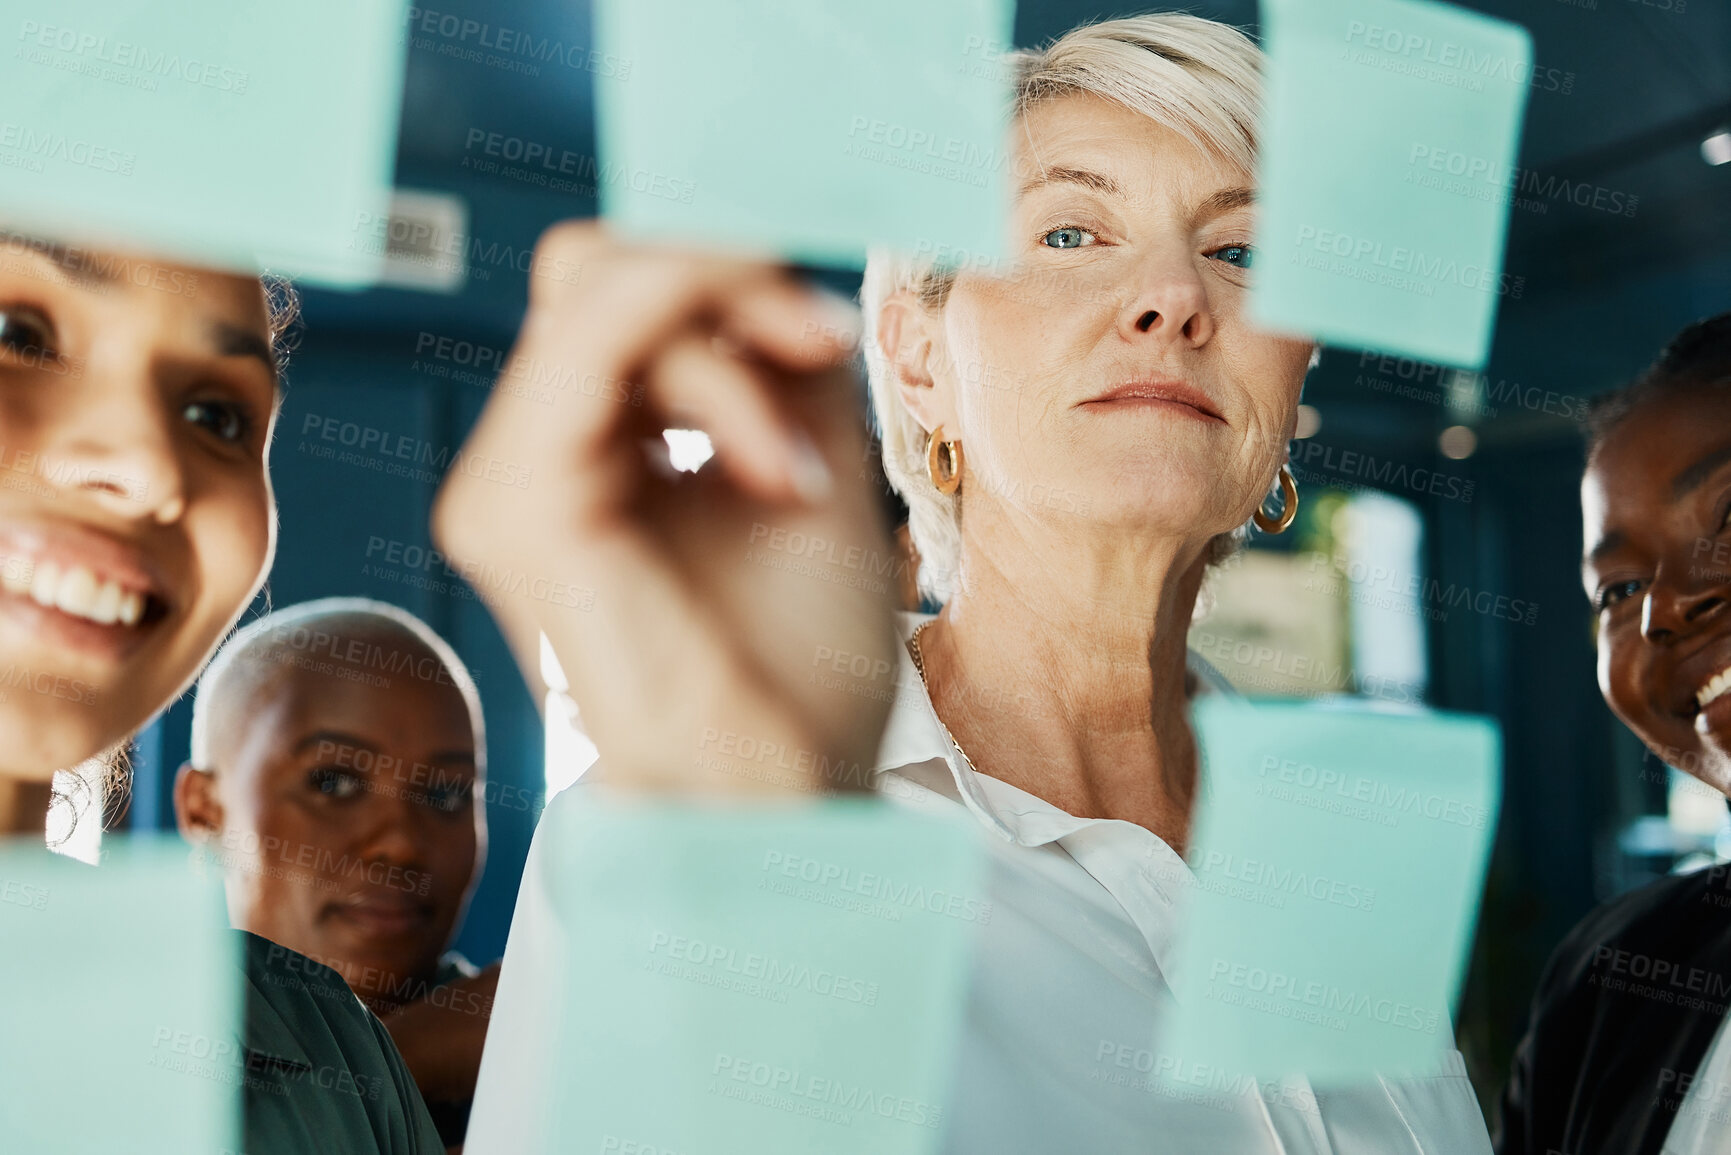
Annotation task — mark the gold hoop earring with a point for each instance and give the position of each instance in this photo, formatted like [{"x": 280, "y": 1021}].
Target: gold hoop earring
[
  {"x": 1288, "y": 506},
  {"x": 943, "y": 461}
]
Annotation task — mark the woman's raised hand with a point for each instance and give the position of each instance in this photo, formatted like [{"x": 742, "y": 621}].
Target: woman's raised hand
[{"x": 705, "y": 656}]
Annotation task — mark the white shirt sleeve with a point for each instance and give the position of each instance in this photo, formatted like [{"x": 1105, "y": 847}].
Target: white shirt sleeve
[{"x": 514, "y": 1093}]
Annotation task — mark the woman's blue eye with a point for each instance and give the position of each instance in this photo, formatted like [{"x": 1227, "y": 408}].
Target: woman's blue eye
[
  {"x": 1068, "y": 237},
  {"x": 1239, "y": 255},
  {"x": 226, "y": 420}
]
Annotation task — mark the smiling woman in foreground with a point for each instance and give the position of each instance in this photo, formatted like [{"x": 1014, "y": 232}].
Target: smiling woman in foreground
[
  {"x": 1627, "y": 1051},
  {"x": 136, "y": 518},
  {"x": 1078, "y": 439},
  {"x": 142, "y": 395}
]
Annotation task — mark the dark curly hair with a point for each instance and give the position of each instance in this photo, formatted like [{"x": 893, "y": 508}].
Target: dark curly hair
[
  {"x": 283, "y": 308},
  {"x": 1698, "y": 360}
]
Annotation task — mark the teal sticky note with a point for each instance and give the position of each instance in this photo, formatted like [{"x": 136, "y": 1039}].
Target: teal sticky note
[
  {"x": 120, "y": 1029},
  {"x": 235, "y": 135},
  {"x": 1339, "y": 853},
  {"x": 789, "y": 979},
  {"x": 809, "y": 130},
  {"x": 1387, "y": 170}
]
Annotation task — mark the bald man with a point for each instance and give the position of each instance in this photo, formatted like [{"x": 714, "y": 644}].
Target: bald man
[{"x": 337, "y": 759}]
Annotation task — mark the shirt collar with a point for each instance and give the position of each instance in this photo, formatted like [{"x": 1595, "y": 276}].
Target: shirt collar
[
  {"x": 916, "y": 746},
  {"x": 915, "y": 736}
]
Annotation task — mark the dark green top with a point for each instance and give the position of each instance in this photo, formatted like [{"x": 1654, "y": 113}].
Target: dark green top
[{"x": 322, "y": 1074}]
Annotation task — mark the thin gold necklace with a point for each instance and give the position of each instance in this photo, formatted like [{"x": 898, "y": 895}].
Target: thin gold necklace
[{"x": 920, "y": 669}]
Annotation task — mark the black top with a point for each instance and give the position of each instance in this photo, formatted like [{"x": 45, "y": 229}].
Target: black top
[
  {"x": 1625, "y": 1012},
  {"x": 322, "y": 1074}
]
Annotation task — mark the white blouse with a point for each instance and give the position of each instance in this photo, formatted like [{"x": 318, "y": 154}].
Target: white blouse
[
  {"x": 1069, "y": 984},
  {"x": 1058, "y": 1051}
]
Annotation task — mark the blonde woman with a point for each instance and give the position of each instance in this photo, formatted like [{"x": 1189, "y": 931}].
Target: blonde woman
[{"x": 1077, "y": 440}]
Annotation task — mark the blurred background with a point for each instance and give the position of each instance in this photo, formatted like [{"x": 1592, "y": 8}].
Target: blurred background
[{"x": 1436, "y": 558}]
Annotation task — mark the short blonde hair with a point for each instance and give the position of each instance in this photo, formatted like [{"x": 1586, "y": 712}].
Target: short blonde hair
[{"x": 1199, "y": 78}]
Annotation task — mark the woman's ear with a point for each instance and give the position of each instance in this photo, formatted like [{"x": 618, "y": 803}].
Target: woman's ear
[
  {"x": 197, "y": 809},
  {"x": 902, "y": 336},
  {"x": 905, "y": 338}
]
